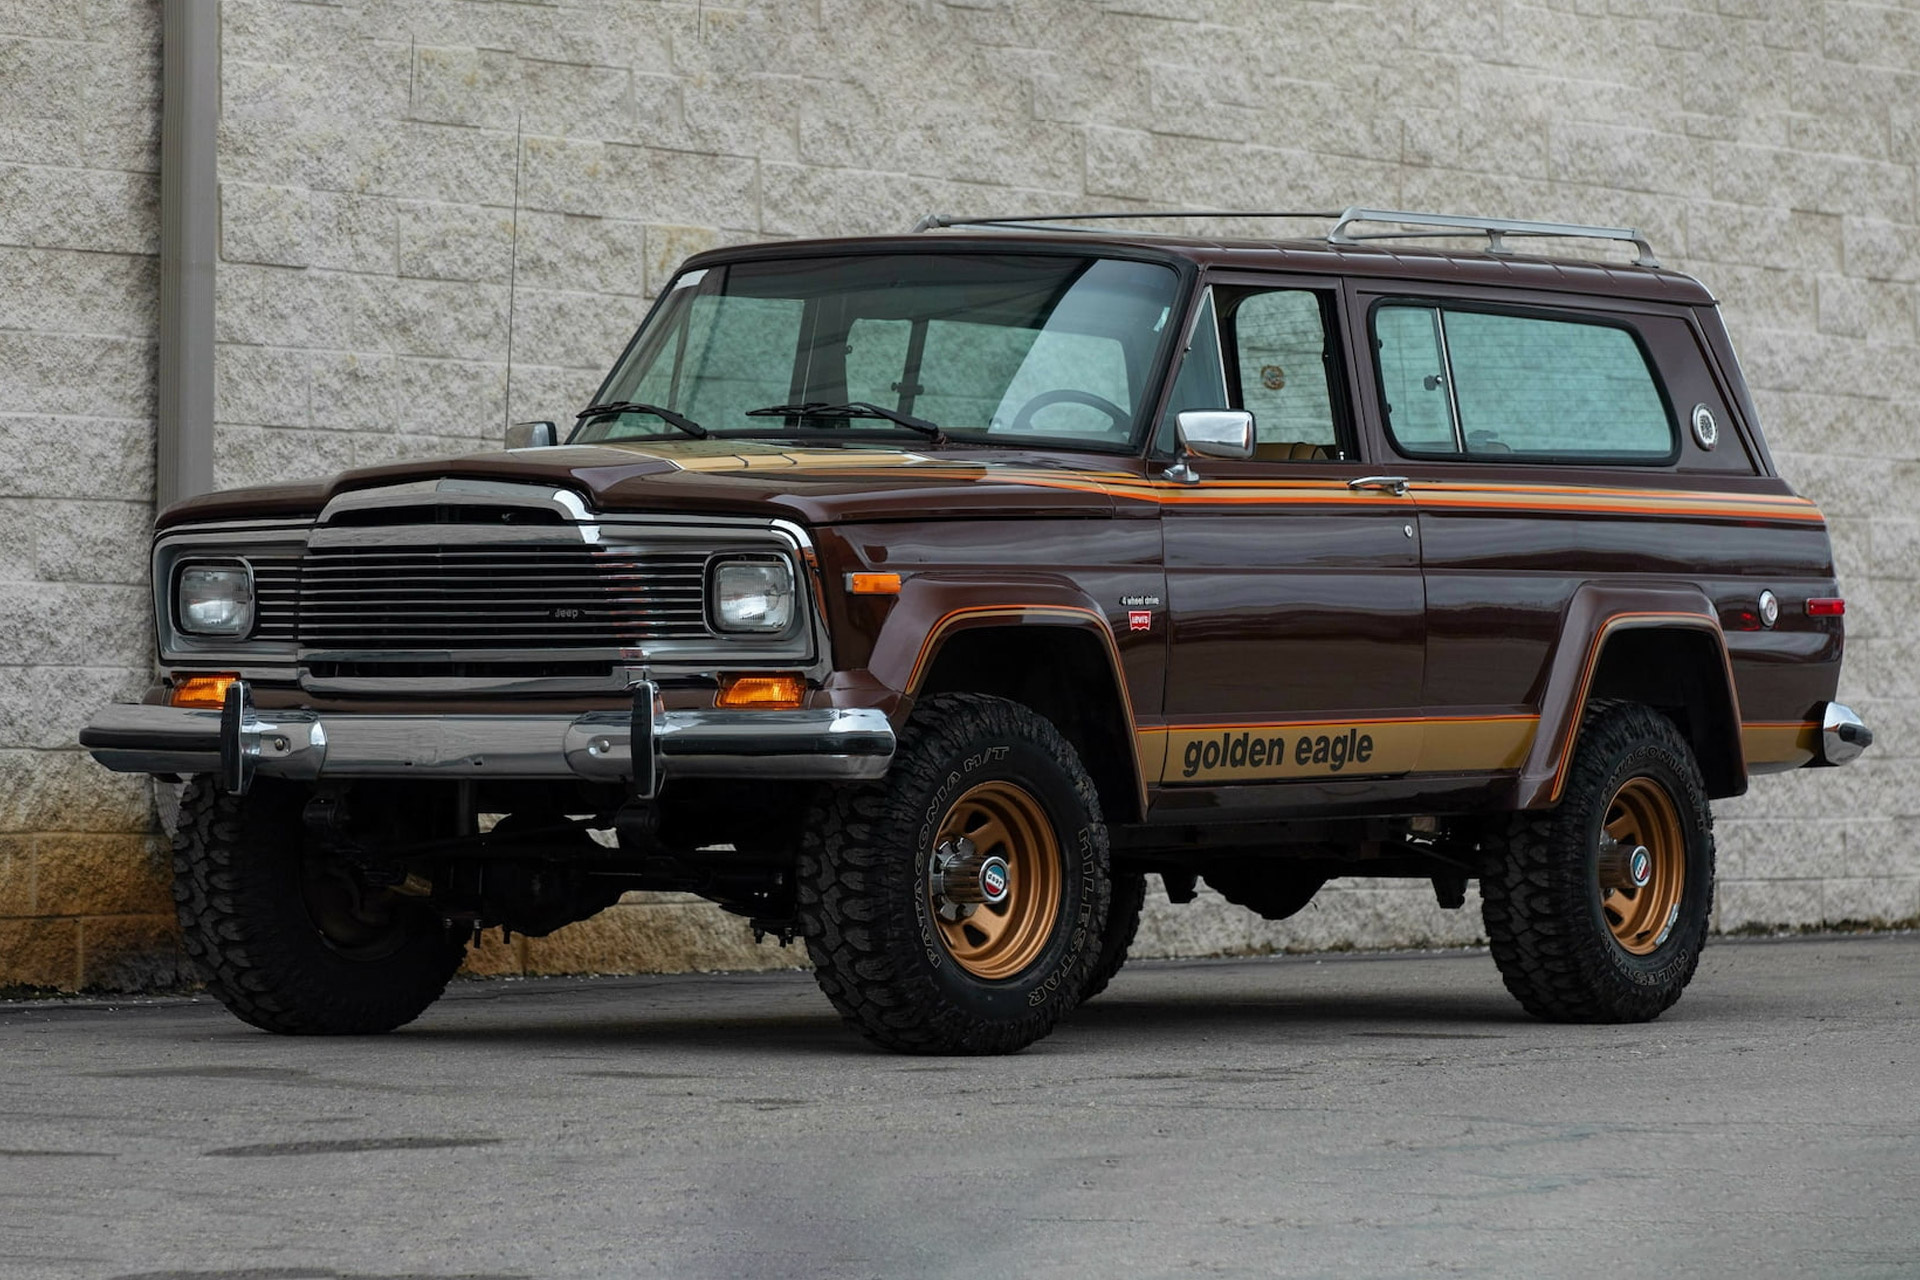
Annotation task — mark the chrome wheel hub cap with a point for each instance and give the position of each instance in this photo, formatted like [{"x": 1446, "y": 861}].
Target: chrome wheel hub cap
[
  {"x": 964, "y": 879},
  {"x": 1624, "y": 866}
]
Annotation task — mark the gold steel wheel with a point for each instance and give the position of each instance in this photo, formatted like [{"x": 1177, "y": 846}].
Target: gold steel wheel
[
  {"x": 1642, "y": 865},
  {"x": 994, "y": 880}
]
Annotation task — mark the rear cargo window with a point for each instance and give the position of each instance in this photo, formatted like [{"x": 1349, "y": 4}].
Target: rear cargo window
[{"x": 1455, "y": 381}]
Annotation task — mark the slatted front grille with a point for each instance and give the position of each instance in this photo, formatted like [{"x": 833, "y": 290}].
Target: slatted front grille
[
  {"x": 276, "y": 594},
  {"x": 554, "y": 596}
]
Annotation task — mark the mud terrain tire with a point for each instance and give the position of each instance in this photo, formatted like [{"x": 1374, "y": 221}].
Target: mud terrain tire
[
  {"x": 870, "y": 907},
  {"x": 1567, "y": 947},
  {"x": 1123, "y": 923},
  {"x": 240, "y": 888}
]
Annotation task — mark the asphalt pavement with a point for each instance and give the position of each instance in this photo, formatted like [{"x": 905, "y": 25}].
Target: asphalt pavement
[{"x": 1367, "y": 1115}]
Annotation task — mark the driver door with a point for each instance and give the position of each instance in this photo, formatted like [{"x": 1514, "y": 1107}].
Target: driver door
[{"x": 1298, "y": 629}]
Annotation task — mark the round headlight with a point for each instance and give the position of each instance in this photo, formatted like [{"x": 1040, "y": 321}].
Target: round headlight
[
  {"x": 215, "y": 599},
  {"x": 752, "y": 596}
]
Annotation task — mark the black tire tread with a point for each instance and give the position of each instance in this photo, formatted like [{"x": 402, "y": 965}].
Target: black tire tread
[
  {"x": 850, "y": 867},
  {"x": 1129, "y": 898},
  {"x": 227, "y": 907},
  {"x": 1559, "y": 969}
]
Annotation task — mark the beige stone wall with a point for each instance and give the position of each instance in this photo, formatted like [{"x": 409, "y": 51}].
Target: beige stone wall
[
  {"x": 368, "y": 157},
  {"x": 83, "y": 900}
]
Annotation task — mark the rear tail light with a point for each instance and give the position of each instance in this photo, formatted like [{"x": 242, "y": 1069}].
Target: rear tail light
[{"x": 1826, "y": 607}]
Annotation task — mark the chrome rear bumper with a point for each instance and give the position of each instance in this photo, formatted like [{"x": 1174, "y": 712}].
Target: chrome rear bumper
[
  {"x": 1843, "y": 735},
  {"x": 597, "y": 746}
]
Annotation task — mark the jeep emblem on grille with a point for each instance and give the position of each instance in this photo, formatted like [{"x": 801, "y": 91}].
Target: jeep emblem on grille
[{"x": 564, "y": 612}]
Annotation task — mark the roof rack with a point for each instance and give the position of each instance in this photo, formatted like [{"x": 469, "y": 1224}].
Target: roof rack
[
  {"x": 1442, "y": 225},
  {"x": 1494, "y": 229},
  {"x": 1056, "y": 221}
]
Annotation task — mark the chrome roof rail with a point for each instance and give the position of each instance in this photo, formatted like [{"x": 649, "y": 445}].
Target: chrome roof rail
[
  {"x": 1494, "y": 229},
  {"x": 1438, "y": 225},
  {"x": 1055, "y": 221}
]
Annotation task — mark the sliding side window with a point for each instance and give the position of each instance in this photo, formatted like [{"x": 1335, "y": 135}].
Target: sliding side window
[{"x": 1459, "y": 382}]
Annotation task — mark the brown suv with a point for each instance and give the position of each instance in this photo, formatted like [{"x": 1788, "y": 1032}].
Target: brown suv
[{"x": 921, "y": 595}]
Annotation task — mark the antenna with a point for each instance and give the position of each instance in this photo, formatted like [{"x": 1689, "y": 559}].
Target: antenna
[{"x": 513, "y": 270}]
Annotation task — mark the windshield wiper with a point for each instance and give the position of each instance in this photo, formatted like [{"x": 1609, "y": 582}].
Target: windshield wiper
[
  {"x": 853, "y": 409},
  {"x": 668, "y": 416}
]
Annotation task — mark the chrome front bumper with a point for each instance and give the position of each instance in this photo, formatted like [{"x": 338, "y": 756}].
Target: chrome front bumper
[{"x": 598, "y": 746}]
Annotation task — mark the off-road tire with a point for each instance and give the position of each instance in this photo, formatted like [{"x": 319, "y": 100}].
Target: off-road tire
[
  {"x": 863, "y": 905},
  {"x": 1123, "y": 923},
  {"x": 1541, "y": 901},
  {"x": 246, "y": 926}
]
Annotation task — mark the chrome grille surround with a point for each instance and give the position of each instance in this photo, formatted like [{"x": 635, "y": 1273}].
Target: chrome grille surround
[{"x": 447, "y": 600}]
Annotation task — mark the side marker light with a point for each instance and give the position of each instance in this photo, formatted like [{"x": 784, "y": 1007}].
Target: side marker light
[{"x": 873, "y": 584}]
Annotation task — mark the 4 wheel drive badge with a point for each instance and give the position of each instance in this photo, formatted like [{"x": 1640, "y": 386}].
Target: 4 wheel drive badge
[{"x": 1139, "y": 619}]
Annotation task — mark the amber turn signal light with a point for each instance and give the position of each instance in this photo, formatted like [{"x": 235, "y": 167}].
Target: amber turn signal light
[
  {"x": 202, "y": 691},
  {"x": 764, "y": 693},
  {"x": 873, "y": 584}
]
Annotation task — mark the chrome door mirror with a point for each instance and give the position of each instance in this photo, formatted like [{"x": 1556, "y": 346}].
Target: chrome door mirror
[
  {"x": 1210, "y": 433},
  {"x": 532, "y": 435}
]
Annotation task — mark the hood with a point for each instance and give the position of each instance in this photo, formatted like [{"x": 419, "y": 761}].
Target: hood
[{"x": 846, "y": 484}]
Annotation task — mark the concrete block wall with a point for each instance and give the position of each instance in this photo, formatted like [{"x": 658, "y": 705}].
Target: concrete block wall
[
  {"x": 374, "y": 251},
  {"x": 83, "y": 894}
]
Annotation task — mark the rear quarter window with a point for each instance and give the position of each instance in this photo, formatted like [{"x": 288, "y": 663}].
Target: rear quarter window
[{"x": 1461, "y": 381}]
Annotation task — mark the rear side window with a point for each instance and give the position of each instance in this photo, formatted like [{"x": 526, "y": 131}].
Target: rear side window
[{"x": 1485, "y": 383}]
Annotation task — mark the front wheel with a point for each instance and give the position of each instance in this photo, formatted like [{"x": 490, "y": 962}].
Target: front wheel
[
  {"x": 291, "y": 942},
  {"x": 1597, "y": 910},
  {"x": 1127, "y": 901},
  {"x": 957, "y": 905}
]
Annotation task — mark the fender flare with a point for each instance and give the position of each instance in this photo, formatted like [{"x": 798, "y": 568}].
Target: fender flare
[
  {"x": 930, "y": 611},
  {"x": 1596, "y": 614}
]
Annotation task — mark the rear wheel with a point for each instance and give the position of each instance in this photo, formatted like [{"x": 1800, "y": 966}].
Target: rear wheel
[
  {"x": 289, "y": 941},
  {"x": 1597, "y": 910},
  {"x": 957, "y": 905}
]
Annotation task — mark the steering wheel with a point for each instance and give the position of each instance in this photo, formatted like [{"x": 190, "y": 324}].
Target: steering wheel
[{"x": 1122, "y": 418}]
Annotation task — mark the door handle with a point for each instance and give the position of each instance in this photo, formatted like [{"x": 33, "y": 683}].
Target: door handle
[{"x": 1395, "y": 485}]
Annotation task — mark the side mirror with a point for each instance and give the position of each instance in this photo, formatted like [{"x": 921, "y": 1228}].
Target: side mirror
[
  {"x": 532, "y": 435},
  {"x": 1210, "y": 433}
]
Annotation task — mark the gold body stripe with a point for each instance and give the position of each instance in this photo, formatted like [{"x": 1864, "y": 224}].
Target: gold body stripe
[
  {"x": 1780, "y": 741},
  {"x": 1338, "y": 748},
  {"x": 720, "y": 455}
]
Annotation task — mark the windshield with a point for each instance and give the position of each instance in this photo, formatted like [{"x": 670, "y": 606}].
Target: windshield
[{"x": 987, "y": 347}]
